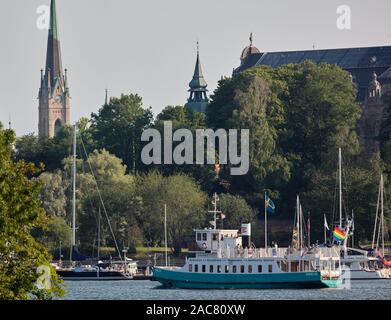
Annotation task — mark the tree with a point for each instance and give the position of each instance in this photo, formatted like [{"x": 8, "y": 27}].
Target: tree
[
  {"x": 185, "y": 207},
  {"x": 118, "y": 126},
  {"x": 385, "y": 134},
  {"x": 52, "y": 195},
  {"x": 20, "y": 213},
  {"x": 51, "y": 151},
  {"x": 250, "y": 101},
  {"x": 236, "y": 211},
  {"x": 56, "y": 232},
  {"x": 107, "y": 181}
]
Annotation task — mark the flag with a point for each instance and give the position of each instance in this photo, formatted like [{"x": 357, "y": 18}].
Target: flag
[
  {"x": 270, "y": 207},
  {"x": 222, "y": 216},
  {"x": 339, "y": 234},
  {"x": 213, "y": 223},
  {"x": 326, "y": 225},
  {"x": 309, "y": 222}
]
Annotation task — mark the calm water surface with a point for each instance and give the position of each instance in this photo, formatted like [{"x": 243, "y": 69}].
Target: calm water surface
[{"x": 149, "y": 290}]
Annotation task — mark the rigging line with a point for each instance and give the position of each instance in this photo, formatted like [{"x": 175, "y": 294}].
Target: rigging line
[{"x": 101, "y": 200}]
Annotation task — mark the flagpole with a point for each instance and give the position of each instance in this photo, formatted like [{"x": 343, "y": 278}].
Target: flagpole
[
  {"x": 309, "y": 228},
  {"x": 265, "y": 225},
  {"x": 324, "y": 228},
  {"x": 353, "y": 228}
]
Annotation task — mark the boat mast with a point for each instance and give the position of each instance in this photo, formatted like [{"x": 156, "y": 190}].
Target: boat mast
[
  {"x": 215, "y": 211},
  {"x": 376, "y": 216},
  {"x": 73, "y": 193},
  {"x": 165, "y": 233},
  {"x": 265, "y": 225},
  {"x": 340, "y": 185},
  {"x": 99, "y": 233},
  {"x": 298, "y": 221},
  {"x": 382, "y": 211}
]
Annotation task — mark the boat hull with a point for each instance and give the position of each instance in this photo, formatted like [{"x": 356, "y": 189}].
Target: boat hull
[
  {"x": 288, "y": 280},
  {"x": 92, "y": 275}
]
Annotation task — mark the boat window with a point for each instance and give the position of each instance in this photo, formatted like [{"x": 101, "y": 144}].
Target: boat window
[
  {"x": 211, "y": 268},
  {"x": 218, "y": 269},
  {"x": 260, "y": 268},
  {"x": 242, "y": 269},
  {"x": 215, "y": 237},
  {"x": 198, "y": 236},
  {"x": 226, "y": 269},
  {"x": 250, "y": 269},
  {"x": 204, "y": 236},
  {"x": 270, "y": 268},
  {"x": 233, "y": 269},
  {"x": 190, "y": 267},
  {"x": 203, "y": 268},
  {"x": 196, "y": 268}
]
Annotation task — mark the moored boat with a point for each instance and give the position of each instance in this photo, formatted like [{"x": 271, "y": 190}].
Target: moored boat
[{"x": 228, "y": 260}]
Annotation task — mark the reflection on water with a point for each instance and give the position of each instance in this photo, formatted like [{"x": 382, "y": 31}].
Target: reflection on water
[{"x": 150, "y": 290}]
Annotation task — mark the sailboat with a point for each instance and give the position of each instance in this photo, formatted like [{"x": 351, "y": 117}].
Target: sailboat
[
  {"x": 362, "y": 264},
  {"x": 379, "y": 234},
  {"x": 123, "y": 269}
]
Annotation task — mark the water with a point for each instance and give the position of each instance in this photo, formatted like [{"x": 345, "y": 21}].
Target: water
[{"x": 150, "y": 290}]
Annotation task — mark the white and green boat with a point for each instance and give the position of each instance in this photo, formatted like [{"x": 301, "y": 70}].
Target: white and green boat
[{"x": 227, "y": 260}]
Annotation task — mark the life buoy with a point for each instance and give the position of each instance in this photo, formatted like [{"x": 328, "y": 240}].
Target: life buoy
[{"x": 204, "y": 246}]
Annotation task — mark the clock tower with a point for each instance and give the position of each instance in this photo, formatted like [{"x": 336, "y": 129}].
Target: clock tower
[{"x": 54, "y": 100}]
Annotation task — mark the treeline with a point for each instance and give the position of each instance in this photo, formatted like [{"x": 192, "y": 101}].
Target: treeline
[{"x": 298, "y": 116}]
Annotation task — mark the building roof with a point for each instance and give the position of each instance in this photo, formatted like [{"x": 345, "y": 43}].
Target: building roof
[{"x": 360, "y": 62}]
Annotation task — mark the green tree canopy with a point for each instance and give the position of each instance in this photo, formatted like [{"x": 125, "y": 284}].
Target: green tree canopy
[
  {"x": 20, "y": 214},
  {"x": 118, "y": 126},
  {"x": 185, "y": 207}
]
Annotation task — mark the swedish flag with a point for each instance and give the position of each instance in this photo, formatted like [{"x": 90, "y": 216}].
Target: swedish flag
[{"x": 270, "y": 207}]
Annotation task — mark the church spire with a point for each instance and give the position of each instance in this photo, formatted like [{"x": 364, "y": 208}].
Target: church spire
[
  {"x": 54, "y": 100},
  {"x": 198, "y": 99},
  {"x": 53, "y": 55},
  {"x": 198, "y": 80}
]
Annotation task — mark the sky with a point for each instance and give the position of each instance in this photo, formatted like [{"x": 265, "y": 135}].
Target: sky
[{"x": 149, "y": 46}]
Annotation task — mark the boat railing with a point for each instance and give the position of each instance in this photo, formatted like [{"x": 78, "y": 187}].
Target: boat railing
[{"x": 252, "y": 253}]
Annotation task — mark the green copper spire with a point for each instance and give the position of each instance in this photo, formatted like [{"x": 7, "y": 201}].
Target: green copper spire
[
  {"x": 53, "y": 20},
  {"x": 53, "y": 55},
  {"x": 198, "y": 80},
  {"x": 198, "y": 99}
]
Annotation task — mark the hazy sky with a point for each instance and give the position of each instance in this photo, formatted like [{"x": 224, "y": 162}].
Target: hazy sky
[{"x": 149, "y": 46}]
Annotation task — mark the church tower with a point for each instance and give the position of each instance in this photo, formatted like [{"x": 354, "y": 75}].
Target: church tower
[
  {"x": 54, "y": 99},
  {"x": 198, "y": 99}
]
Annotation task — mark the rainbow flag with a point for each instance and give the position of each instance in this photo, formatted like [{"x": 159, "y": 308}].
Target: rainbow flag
[{"x": 339, "y": 234}]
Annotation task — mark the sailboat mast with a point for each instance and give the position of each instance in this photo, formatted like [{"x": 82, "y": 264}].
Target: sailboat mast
[
  {"x": 382, "y": 211},
  {"x": 165, "y": 233},
  {"x": 99, "y": 234},
  {"x": 74, "y": 192},
  {"x": 340, "y": 185},
  {"x": 298, "y": 221}
]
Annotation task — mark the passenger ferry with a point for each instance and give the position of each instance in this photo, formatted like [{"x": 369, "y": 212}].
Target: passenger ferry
[{"x": 226, "y": 259}]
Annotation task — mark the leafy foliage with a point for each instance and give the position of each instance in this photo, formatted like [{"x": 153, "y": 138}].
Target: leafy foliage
[{"x": 20, "y": 214}]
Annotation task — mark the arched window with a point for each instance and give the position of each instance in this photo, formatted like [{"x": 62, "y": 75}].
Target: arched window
[{"x": 57, "y": 126}]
